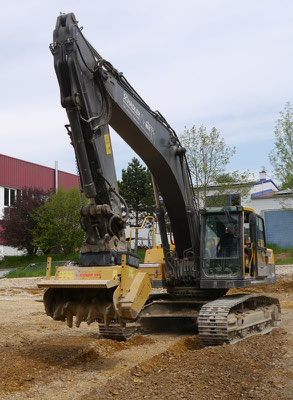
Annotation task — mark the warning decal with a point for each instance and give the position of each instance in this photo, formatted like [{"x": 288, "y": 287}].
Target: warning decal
[{"x": 108, "y": 144}]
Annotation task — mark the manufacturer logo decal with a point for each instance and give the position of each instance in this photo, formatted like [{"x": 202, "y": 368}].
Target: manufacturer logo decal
[{"x": 138, "y": 116}]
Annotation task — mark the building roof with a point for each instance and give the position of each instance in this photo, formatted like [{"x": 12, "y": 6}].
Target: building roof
[
  {"x": 271, "y": 194},
  {"x": 244, "y": 184},
  {"x": 17, "y": 174}
]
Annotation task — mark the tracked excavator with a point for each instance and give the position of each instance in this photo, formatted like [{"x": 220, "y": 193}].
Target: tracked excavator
[{"x": 215, "y": 249}]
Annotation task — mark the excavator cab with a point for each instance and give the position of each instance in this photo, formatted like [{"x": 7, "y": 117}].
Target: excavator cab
[
  {"x": 222, "y": 241},
  {"x": 234, "y": 252}
]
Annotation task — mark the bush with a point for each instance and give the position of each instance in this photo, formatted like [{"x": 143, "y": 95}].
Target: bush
[{"x": 57, "y": 223}]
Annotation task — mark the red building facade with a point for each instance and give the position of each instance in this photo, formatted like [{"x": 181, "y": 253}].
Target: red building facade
[{"x": 16, "y": 174}]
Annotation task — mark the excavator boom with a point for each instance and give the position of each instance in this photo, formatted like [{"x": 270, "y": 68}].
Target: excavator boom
[{"x": 95, "y": 94}]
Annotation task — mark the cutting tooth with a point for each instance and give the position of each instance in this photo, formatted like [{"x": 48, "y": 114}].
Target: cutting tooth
[
  {"x": 82, "y": 310},
  {"x": 92, "y": 314},
  {"x": 58, "y": 312},
  {"x": 69, "y": 320},
  {"x": 68, "y": 312},
  {"x": 107, "y": 321}
]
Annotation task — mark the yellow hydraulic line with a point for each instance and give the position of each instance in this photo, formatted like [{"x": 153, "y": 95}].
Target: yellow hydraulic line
[
  {"x": 155, "y": 192},
  {"x": 123, "y": 274},
  {"x": 254, "y": 262},
  {"x": 250, "y": 261},
  {"x": 141, "y": 227},
  {"x": 243, "y": 256},
  {"x": 48, "y": 270}
]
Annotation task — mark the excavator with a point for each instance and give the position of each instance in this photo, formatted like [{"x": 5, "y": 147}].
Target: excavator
[{"x": 213, "y": 250}]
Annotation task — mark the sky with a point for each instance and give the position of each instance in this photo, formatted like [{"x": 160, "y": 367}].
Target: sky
[{"x": 218, "y": 63}]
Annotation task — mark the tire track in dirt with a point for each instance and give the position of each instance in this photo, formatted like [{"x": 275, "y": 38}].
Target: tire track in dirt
[{"x": 47, "y": 369}]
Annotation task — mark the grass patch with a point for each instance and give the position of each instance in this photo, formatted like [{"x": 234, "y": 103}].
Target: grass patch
[
  {"x": 31, "y": 271},
  {"x": 24, "y": 261},
  {"x": 26, "y": 269},
  {"x": 283, "y": 261},
  {"x": 141, "y": 254},
  {"x": 282, "y": 256},
  {"x": 21, "y": 273},
  {"x": 277, "y": 249},
  {"x": 39, "y": 267}
]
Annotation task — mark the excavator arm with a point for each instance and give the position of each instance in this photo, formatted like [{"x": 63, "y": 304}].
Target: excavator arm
[{"x": 95, "y": 96}]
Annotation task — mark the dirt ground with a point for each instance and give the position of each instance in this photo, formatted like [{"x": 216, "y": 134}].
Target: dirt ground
[{"x": 44, "y": 359}]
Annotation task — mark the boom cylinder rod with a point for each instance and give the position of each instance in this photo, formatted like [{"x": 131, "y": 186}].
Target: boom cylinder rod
[
  {"x": 81, "y": 154},
  {"x": 161, "y": 218}
]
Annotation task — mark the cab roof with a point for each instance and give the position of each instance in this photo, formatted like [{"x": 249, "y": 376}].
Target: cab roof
[{"x": 216, "y": 210}]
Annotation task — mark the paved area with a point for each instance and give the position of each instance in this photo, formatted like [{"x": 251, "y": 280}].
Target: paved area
[
  {"x": 284, "y": 269},
  {"x": 5, "y": 272}
]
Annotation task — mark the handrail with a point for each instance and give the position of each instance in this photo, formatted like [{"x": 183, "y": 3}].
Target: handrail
[{"x": 141, "y": 227}]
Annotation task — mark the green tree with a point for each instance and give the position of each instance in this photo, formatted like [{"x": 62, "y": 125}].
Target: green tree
[
  {"x": 57, "y": 223},
  {"x": 281, "y": 157},
  {"x": 208, "y": 156},
  {"x": 136, "y": 188},
  {"x": 18, "y": 223}
]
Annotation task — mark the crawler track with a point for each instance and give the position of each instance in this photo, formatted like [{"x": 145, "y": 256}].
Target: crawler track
[
  {"x": 117, "y": 332},
  {"x": 233, "y": 318}
]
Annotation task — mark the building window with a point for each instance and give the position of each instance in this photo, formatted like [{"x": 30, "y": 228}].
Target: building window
[
  {"x": 12, "y": 196},
  {"x": 222, "y": 200},
  {"x": 235, "y": 199},
  {"x": 6, "y": 197},
  {"x": 9, "y": 196}
]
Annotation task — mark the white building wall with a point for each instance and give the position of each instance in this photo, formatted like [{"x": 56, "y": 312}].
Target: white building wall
[
  {"x": 1, "y": 201},
  {"x": 269, "y": 204},
  {"x": 259, "y": 187},
  {"x": 10, "y": 251},
  {"x": 7, "y": 250}
]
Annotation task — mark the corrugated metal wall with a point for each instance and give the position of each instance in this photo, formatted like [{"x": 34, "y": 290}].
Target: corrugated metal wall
[
  {"x": 279, "y": 227},
  {"x": 16, "y": 174}
]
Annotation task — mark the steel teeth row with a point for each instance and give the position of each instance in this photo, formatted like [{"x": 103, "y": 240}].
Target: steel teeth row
[{"x": 89, "y": 312}]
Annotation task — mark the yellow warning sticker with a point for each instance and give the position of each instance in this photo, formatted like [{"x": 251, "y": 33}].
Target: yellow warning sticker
[
  {"x": 65, "y": 275},
  {"x": 115, "y": 274},
  {"x": 108, "y": 144},
  {"x": 131, "y": 273}
]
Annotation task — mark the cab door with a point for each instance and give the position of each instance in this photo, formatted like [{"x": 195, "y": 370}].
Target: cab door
[{"x": 262, "y": 267}]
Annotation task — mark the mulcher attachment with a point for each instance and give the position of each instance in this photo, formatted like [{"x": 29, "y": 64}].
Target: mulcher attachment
[
  {"x": 88, "y": 305},
  {"x": 96, "y": 294}
]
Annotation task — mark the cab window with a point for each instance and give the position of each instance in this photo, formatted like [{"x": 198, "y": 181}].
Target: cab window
[
  {"x": 260, "y": 233},
  {"x": 222, "y": 244}
]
